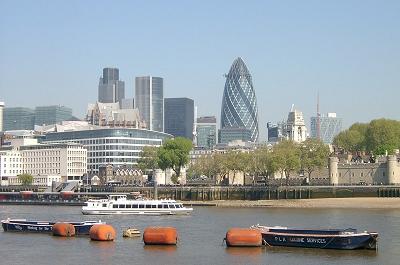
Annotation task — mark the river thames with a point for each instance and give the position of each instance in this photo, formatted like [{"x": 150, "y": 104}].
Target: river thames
[{"x": 200, "y": 237}]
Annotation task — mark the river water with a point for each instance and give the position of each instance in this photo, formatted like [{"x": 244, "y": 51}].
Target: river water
[{"x": 200, "y": 237}]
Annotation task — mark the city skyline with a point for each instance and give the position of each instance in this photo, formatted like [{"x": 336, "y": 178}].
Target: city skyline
[{"x": 343, "y": 50}]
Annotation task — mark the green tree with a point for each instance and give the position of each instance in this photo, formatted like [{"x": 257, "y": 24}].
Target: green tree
[
  {"x": 383, "y": 136},
  {"x": 25, "y": 179},
  {"x": 286, "y": 158},
  {"x": 148, "y": 159},
  {"x": 313, "y": 155},
  {"x": 174, "y": 154}
]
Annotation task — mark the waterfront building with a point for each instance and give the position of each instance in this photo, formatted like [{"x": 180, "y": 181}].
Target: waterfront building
[
  {"x": 123, "y": 175},
  {"x": 206, "y": 132},
  {"x": 10, "y": 164},
  {"x": 45, "y": 162},
  {"x": 17, "y": 118},
  {"x": 111, "y": 89},
  {"x": 45, "y": 115},
  {"x": 149, "y": 99},
  {"x": 179, "y": 117},
  {"x": 230, "y": 134},
  {"x": 239, "y": 103},
  {"x": 110, "y": 114},
  {"x": 115, "y": 146},
  {"x": 384, "y": 172},
  {"x": 295, "y": 127},
  {"x": 1, "y": 116},
  {"x": 329, "y": 126}
]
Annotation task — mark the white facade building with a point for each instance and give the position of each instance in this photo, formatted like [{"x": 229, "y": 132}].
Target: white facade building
[
  {"x": 10, "y": 165},
  {"x": 295, "y": 127},
  {"x": 45, "y": 162}
]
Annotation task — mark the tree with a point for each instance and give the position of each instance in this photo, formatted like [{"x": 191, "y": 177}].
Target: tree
[
  {"x": 286, "y": 158},
  {"x": 383, "y": 136},
  {"x": 235, "y": 162},
  {"x": 25, "y": 179},
  {"x": 148, "y": 159},
  {"x": 174, "y": 154},
  {"x": 313, "y": 155}
]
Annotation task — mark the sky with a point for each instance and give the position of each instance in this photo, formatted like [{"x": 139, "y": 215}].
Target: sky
[{"x": 53, "y": 52}]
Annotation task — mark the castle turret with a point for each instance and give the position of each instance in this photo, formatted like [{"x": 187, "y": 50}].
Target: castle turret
[
  {"x": 333, "y": 170},
  {"x": 393, "y": 172}
]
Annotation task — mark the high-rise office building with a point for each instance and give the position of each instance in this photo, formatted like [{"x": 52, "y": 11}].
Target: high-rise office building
[
  {"x": 276, "y": 132},
  {"x": 206, "y": 132},
  {"x": 17, "y": 118},
  {"x": 127, "y": 103},
  {"x": 230, "y": 134},
  {"x": 329, "y": 127},
  {"x": 149, "y": 99},
  {"x": 179, "y": 117},
  {"x": 111, "y": 89},
  {"x": 46, "y": 115},
  {"x": 1, "y": 115},
  {"x": 239, "y": 103}
]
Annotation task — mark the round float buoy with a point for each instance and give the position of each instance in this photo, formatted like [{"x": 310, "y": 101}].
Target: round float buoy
[
  {"x": 63, "y": 229},
  {"x": 102, "y": 232},
  {"x": 243, "y": 237},
  {"x": 160, "y": 236}
]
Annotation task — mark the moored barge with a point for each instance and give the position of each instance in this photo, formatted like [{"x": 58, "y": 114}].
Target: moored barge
[
  {"x": 23, "y": 225},
  {"x": 318, "y": 238}
]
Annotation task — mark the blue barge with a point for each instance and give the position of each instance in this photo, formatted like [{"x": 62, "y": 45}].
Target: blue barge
[
  {"x": 318, "y": 238},
  {"x": 22, "y": 225}
]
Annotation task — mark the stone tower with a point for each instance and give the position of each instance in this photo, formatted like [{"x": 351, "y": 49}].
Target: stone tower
[{"x": 333, "y": 171}]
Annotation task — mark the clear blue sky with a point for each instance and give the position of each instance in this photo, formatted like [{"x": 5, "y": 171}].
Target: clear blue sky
[{"x": 53, "y": 52}]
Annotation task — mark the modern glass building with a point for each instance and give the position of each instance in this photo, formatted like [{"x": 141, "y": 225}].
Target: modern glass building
[
  {"x": 46, "y": 115},
  {"x": 149, "y": 99},
  {"x": 179, "y": 117},
  {"x": 239, "y": 103},
  {"x": 330, "y": 126},
  {"x": 206, "y": 132},
  {"x": 111, "y": 89},
  {"x": 117, "y": 147},
  {"x": 230, "y": 134},
  {"x": 1, "y": 115},
  {"x": 18, "y": 118}
]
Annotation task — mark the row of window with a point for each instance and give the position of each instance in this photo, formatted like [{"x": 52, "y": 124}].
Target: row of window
[
  {"x": 147, "y": 206},
  {"x": 118, "y": 141}
]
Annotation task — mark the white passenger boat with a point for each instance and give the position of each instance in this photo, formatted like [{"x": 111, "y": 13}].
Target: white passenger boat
[{"x": 119, "y": 204}]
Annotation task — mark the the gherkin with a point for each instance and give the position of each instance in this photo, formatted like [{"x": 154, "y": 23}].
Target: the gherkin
[{"x": 239, "y": 103}]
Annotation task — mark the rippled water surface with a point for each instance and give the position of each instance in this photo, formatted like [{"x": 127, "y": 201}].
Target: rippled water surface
[{"x": 200, "y": 237}]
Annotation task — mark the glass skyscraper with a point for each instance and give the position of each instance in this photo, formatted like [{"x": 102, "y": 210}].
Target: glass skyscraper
[
  {"x": 329, "y": 127},
  {"x": 46, "y": 115},
  {"x": 18, "y": 119},
  {"x": 111, "y": 89},
  {"x": 149, "y": 99},
  {"x": 179, "y": 117},
  {"x": 239, "y": 103},
  {"x": 206, "y": 132}
]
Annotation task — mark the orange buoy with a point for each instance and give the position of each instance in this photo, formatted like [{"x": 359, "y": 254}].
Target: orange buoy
[
  {"x": 160, "y": 236},
  {"x": 63, "y": 229},
  {"x": 243, "y": 237},
  {"x": 102, "y": 232}
]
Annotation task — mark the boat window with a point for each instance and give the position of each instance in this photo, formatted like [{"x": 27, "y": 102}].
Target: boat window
[
  {"x": 104, "y": 204},
  {"x": 153, "y": 206},
  {"x": 141, "y": 206},
  {"x": 165, "y": 206},
  {"x": 122, "y": 206},
  {"x": 159, "y": 206},
  {"x": 172, "y": 206},
  {"x": 115, "y": 206},
  {"x": 148, "y": 206},
  {"x": 128, "y": 206},
  {"x": 134, "y": 205}
]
